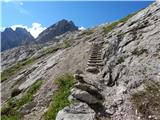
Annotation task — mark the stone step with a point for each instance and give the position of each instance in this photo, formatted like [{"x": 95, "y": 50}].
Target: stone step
[
  {"x": 100, "y": 64},
  {"x": 95, "y": 64},
  {"x": 95, "y": 56},
  {"x": 92, "y": 65},
  {"x": 92, "y": 69},
  {"x": 96, "y": 51},
  {"x": 95, "y": 47},
  {"x": 95, "y": 61}
]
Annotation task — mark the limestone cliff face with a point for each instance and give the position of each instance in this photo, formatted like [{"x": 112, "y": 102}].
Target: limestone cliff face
[{"x": 128, "y": 56}]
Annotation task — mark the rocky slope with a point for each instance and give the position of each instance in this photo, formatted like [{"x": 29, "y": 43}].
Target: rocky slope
[
  {"x": 11, "y": 38},
  {"x": 111, "y": 64}
]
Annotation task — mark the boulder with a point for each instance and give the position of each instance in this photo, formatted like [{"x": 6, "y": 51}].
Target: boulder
[
  {"x": 78, "y": 111},
  {"x": 84, "y": 96},
  {"x": 90, "y": 89}
]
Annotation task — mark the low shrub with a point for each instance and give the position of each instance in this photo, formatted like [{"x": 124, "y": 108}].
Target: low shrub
[
  {"x": 88, "y": 32},
  {"x": 67, "y": 43}
]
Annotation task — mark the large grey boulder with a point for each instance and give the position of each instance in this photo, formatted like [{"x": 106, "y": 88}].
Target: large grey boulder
[
  {"x": 90, "y": 89},
  {"x": 84, "y": 96},
  {"x": 79, "y": 111}
]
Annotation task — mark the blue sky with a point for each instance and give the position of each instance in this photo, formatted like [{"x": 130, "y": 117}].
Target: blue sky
[{"x": 42, "y": 14}]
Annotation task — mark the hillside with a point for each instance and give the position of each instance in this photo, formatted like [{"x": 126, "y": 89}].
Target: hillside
[{"x": 109, "y": 72}]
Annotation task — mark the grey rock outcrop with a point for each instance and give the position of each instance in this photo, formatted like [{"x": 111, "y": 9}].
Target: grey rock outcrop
[{"x": 79, "y": 111}]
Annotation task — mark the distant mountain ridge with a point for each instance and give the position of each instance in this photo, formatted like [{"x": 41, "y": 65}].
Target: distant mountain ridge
[
  {"x": 56, "y": 29},
  {"x": 11, "y": 38}
]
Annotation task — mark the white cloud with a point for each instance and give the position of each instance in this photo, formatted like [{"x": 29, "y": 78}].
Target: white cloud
[
  {"x": 21, "y": 3},
  {"x": 35, "y": 30},
  {"x": 82, "y": 28},
  {"x": 22, "y": 26},
  {"x": 2, "y": 29}
]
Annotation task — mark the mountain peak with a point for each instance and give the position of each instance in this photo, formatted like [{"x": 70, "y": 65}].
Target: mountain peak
[
  {"x": 11, "y": 38},
  {"x": 8, "y": 30},
  {"x": 63, "y": 21},
  {"x": 56, "y": 29}
]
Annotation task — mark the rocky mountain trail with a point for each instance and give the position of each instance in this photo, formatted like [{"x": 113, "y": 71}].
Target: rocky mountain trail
[
  {"x": 113, "y": 65},
  {"x": 86, "y": 90}
]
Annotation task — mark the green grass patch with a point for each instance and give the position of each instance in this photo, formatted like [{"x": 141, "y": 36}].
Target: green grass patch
[
  {"x": 67, "y": 43},
  {"x": 111, "y": 26},
  {"x": 13, "y": 117},
  {"x": 10, "y": 110},
  {"x": 60, "y": 98},
  {"x": 147, "y": 102},
  {"x": 29, "y": 94},
  {"x": 88, "y": 32},
  {"x": 14, "y": 69},
  {"x": 51, "y": 50}
]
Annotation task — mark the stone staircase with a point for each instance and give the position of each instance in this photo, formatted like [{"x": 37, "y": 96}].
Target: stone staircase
[
  {"x": 87, "y": 90},
  {"x": 95, "y": 62}
]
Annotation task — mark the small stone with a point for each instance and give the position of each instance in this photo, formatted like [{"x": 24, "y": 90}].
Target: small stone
[
  {"x": 139, "y": 118},
  {"x": 111, "y": 110},
  {"x": 149, "y": 116}
]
